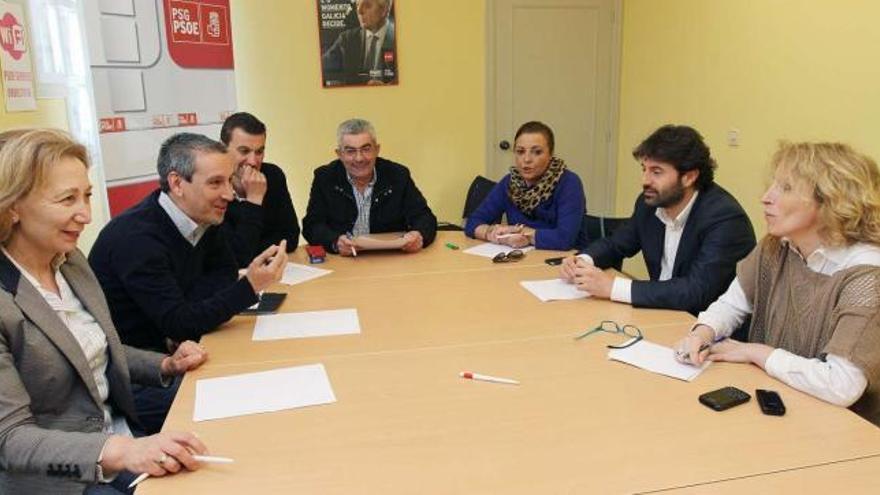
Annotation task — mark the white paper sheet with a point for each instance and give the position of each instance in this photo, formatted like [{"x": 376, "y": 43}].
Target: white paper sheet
[
  {"x": 656, "y": 359},
  {"x": 264, "y": 391},
  {"x": 490, "y": 250},
  {"x": 554, "y": 289},
  {"x": 294, "y": 273},
  {"x": 307, "y": 324}
]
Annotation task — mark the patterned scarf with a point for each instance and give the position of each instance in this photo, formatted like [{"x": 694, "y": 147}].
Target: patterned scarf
[{"x": 526, "y": 197}]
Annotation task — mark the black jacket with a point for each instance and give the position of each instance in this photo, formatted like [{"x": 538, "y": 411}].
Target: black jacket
[
  {"x": 397, "y": 205},
  {"x": 717, "y": 235},
  {"x": 251, "y": 228}
]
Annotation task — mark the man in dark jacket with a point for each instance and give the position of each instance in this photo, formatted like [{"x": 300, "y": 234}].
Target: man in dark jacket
[
  {"x": 690, "y": 231},
  {"x": 262, "y": 213},
  {"x": 361, "y": 193}
]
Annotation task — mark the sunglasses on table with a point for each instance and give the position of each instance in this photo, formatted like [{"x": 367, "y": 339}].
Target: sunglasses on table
[
  {"x": 509, "y": 256},
  {"x": 608, "y": 326}
]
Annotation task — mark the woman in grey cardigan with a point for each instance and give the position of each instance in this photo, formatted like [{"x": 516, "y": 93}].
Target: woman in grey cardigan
[{"x": 66, "y": 410}]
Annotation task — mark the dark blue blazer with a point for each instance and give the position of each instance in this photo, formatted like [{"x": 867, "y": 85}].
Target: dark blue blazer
[{"x": 717, "y": 235}]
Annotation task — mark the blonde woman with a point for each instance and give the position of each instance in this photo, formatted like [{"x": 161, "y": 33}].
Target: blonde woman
[
  {"x": 812, "y": 285},
  {"x": 66, "y": 409}
]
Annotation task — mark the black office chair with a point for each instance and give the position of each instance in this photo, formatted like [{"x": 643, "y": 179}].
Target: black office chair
[
  {"x": 593, "y": 228},
  {"x": 477, "y": 192}
]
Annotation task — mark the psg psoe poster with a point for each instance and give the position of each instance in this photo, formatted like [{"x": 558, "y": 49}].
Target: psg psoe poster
[
  {"x": 159, "y": 67},
  {"x": 358, "y": 42}
]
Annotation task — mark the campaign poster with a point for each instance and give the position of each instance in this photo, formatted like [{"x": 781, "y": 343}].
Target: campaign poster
[
  {"x": 15, "y": 60},
  {"x": 358, "y": 41},
  {"x": 159, "y": 67}
]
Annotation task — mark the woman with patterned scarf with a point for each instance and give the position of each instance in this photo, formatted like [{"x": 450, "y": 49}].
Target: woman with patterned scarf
[
  {"x": 812, "y": 285},
  {"x": 543, "y": 201}
]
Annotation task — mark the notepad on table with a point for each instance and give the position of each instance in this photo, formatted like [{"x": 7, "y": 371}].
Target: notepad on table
[
  {"x": 307, "y": 324},
  {"x": 554, "y": 289},
  {"x": 489, "y": 250},
  {"x": 295, "y": 273},
  {"x": 656, "y": 359},
  {"x": 261, "y": 392}
]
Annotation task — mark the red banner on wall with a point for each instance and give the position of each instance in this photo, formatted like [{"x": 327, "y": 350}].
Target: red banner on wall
[{"x": 199, "y": 33}]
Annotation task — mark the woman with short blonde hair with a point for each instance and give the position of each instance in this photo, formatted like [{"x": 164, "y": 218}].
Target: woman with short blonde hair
[
  {"x": 66, "y": 407},
  {"x": 812, "y": 285}
]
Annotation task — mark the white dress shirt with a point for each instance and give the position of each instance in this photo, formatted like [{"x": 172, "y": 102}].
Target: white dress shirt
[
  {"x": 188, "y": 228},
  {"x": 836, "y": 380},
  {"x": 621, "y": 290}
]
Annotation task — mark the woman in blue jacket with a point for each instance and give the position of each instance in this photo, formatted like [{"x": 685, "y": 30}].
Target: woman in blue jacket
[{"x": 543, "y": 201}]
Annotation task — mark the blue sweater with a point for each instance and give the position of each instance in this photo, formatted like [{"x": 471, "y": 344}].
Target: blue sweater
[
  {"x": 158, "y": 285},
  {"x": 557, "y": 221}
]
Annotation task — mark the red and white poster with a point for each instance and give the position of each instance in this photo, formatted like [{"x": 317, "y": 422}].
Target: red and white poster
[
  {"x": 15, "y": 60},
  {"x": 158, "y": 68}
]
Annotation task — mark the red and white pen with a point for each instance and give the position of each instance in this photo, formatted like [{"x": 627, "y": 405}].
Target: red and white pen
[{"x": 486, "y": 378}]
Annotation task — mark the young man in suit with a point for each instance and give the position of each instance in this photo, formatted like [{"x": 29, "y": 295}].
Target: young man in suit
[
  {"x": 690, "y": 231},
  {"x": 262, "y": 213}
]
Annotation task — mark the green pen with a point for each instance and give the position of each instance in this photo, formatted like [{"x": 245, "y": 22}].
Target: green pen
[{"x": 451, "y": 245}]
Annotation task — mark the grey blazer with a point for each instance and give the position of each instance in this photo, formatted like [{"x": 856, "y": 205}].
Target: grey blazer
[{"x": 51, "y": 417}]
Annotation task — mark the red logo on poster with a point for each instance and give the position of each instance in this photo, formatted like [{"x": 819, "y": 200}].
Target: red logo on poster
[
  {"x": 12, "y": 36},
  {"x": 198, "y": 33},
  {"x": 187, "y": 119},
  {"x": 388, "y": 56},
  {"x": 112, "y": 124}
]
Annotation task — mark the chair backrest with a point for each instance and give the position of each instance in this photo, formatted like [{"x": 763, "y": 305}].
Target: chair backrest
[
  {"x": 594, "y": 228},
  {"x": 478, "y": 191}
]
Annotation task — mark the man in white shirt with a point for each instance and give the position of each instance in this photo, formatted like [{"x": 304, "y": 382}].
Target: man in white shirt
[{"x": 690, "y": 231}]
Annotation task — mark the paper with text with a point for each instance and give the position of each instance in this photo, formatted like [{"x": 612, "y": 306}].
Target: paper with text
[
  {"x": 657, "y": 359},
  {"x": 307, "y": 324},
  {"x": 554, "y": 289},
  {"x": 489, "y": 250},
  {"x": 261, "y": 392},
  {"x": 294, "y": 273}
]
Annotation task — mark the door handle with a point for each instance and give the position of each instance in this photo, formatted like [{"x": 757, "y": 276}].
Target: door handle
[{"x": 504, "y": 145}]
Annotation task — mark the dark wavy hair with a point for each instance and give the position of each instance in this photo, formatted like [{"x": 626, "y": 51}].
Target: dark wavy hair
[{"x": 683, "y": 148}]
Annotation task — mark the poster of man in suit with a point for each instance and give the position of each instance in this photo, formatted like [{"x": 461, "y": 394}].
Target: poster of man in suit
[{"x": 358, "y": 42}]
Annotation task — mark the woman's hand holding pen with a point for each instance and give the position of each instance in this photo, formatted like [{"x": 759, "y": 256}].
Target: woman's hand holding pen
[
  {"x": 158, "y": 454},
  {"x": 695, "y": 347}
]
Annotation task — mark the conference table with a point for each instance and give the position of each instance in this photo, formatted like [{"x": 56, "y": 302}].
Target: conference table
[{"x": 405, "y": 422}]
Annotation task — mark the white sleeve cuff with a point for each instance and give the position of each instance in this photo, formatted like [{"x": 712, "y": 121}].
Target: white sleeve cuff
[
  {"x": 621, "y": 291},
  {"x": 587, "y": 258},
  {"x": 835, "y": 380}
]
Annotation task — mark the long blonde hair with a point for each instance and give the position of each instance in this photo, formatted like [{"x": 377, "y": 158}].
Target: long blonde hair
[
  {"x": 844, "y": 183},
  {"x": 25, "y": 155}
]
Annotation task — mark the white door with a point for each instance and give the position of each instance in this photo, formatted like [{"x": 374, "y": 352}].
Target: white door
[{"x": 556, "y": 61}]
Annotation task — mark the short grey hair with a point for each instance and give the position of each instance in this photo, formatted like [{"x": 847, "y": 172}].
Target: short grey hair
[
  {"x": 178, "y": 154},
  {"x": 354, "y": 126}
]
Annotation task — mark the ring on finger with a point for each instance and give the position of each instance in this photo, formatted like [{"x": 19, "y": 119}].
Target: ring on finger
[{"x": 162, "y": 459}]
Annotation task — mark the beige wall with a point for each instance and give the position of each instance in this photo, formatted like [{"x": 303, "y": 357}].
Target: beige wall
[
  {"x": 774, "y": 69},
  {"x": 433, "y": 121}
]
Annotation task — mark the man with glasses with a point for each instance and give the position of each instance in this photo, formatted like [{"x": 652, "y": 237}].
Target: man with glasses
[{"x": 362, "y": 193}]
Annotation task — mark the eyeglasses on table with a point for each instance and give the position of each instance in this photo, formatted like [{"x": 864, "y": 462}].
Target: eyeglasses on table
[
  {"x": 508, "y": 257},
  {"x": 609, "y": 326}
]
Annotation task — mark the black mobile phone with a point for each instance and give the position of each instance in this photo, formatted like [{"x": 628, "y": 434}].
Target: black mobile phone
[
  {"x": 770, "y": 402},
  {"x": 724, "y": 398},
  {"x": 269, "y": 303},
  {"x": 554, "y": 261}
]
